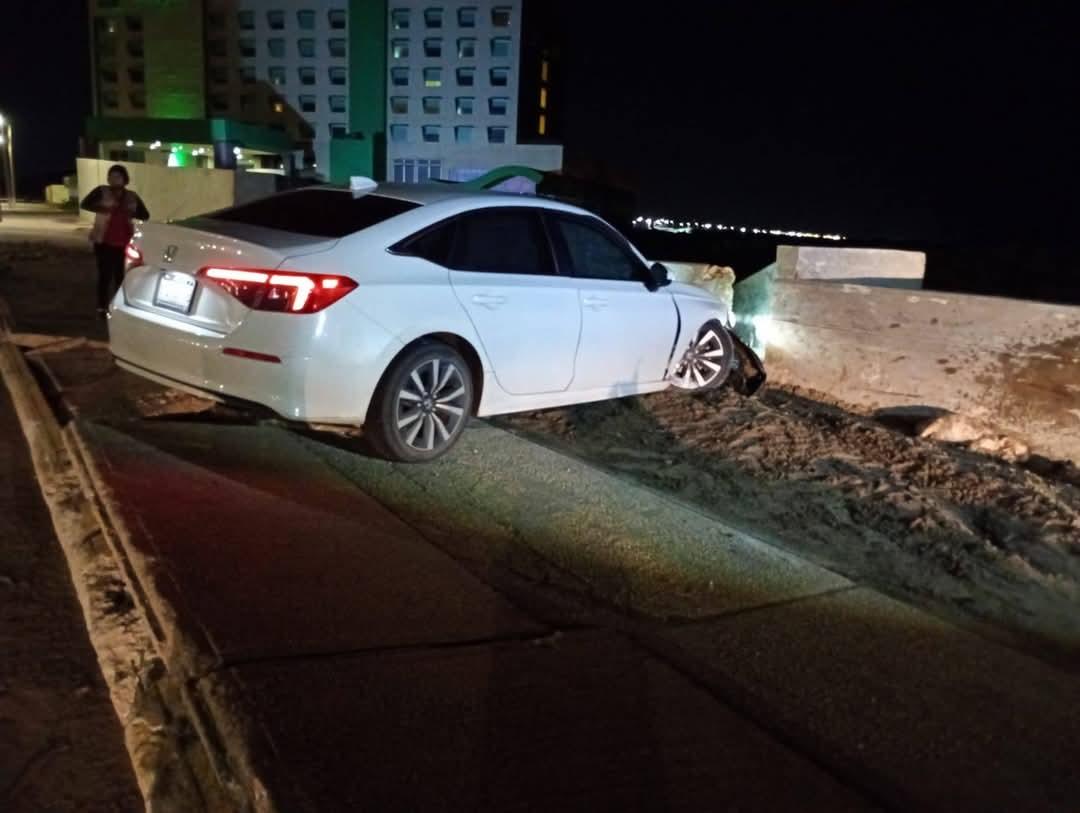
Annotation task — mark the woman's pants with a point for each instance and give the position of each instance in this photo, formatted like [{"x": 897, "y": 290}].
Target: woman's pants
[{"x": 110, "y": 270}]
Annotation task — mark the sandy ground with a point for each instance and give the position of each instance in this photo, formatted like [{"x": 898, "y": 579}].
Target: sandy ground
[{"x": 937, "y": 524}]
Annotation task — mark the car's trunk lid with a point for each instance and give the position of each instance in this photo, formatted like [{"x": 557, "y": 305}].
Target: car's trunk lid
[{"x": 166, "y": 281}]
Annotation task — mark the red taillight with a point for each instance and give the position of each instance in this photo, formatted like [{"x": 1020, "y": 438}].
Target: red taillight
[
  {"x": 133, "y": 255},
  {"x": 280, "y": 291}
]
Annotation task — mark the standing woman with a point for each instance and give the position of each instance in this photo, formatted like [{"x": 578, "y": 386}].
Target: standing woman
[{"x": 114, "y": 207}]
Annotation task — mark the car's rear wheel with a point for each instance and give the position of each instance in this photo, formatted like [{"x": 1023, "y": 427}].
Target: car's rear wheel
[
  {"x": 422, "y": 404},
  {"x": 707, "y": 362}
]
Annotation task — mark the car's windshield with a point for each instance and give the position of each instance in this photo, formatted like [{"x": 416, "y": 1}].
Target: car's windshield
[{"x": 317, "y": 212}]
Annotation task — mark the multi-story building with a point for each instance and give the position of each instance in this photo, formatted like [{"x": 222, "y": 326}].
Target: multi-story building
[
  {"x": 402, "y": 89},
  {"x": 454, "y": 90}
]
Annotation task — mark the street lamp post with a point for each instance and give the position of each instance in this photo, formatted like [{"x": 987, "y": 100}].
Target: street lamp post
[{"x": 7, "y": 150}]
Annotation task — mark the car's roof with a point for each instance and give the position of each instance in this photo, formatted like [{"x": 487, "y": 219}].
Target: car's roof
[{"x": 430, "y": 193}]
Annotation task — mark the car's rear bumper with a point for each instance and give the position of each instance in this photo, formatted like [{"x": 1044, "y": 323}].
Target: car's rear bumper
[{"x": 317, "y": 378}]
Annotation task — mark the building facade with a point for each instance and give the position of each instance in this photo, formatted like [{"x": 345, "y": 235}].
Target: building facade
[
  {"x": 398, "y": 89},
  {"x": 454, "y": 79}
]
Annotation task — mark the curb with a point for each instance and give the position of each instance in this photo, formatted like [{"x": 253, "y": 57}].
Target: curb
[{"x": 150, "y": 702}]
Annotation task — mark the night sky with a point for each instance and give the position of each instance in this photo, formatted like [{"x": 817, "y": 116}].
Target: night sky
[{"x": 873, "y": 119}]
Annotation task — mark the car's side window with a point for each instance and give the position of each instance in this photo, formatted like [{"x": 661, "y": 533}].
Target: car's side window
[
  {"x": 434, "y": 245},
  {"x": 594, "y": 254},
  {"x": 502, "y": 241}
]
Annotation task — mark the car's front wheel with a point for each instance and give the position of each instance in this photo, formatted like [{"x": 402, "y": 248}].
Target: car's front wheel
[
  {"x": 707, "y": 362},
  {"x": 422, "y": 404}
]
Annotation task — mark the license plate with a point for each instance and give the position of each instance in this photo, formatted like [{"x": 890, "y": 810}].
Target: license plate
[{"x": 175, "y": 290}]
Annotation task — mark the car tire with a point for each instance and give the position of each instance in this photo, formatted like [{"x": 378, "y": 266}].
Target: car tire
[
  {"x": 422, "y": 404},
  {"x": 708, "y": 360}
]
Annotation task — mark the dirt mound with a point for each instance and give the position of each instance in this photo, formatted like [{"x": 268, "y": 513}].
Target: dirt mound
[{"x": 923, "y": 520}]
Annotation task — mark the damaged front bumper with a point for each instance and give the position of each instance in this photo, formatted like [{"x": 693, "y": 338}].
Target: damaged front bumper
[{"x": 748, "y": 375}]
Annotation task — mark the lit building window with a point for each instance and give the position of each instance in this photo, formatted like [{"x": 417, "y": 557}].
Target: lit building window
[
  {"x": 500, "y": 17},
  {"x": 433, "y": 48},
  {"x": 545, "y": 69},
  {"x": 413, "y": 170},
  {"x": 276, "y": 75},
  {"x": 498, "y": 105},
  {"x": 276, "y": 46},
  {"x": 432, "y": 105},
  {"x": 306, "y": 48},
  {"x": 464, "y": 134},
  {"x": 399, "y": 18},
  {"x": 433, "y": 77},
  {"x": 496, "y": 135},
  {"x": 337, "y": 104},
  {"x": 541, "y": 126},
  {"x": 543, "y": 98},
  {"x": 277, "y": 105},
  {"x": 500, "y": 77},
  {"x": 337, "y": 47},
  {"x": 399, "y": 133},
  {"x": 336, "y": 18},
  {"x": 399, "y": 105},
  {"x": 305, "y": 19},
  {"x": 433, "y": 17},
  {"x": 276, "y": 20},
  {"x": 466, "y": 77},
  {"x": 246, "y": 20},
  {"x": 500, "y": 47},
  {"x": 400, "y": 49},
  {"x": 466, "y": 17},
  {"x": 465, "y": 105},
  {"x": 337, "y": 76},
  {"x": 466, "y": 48},
  {"x": 399, "y": 77},
  {"x": 307, "y": 104},
  {"x": 431, "y": 133},
  {"x": 307, "y": 76}
]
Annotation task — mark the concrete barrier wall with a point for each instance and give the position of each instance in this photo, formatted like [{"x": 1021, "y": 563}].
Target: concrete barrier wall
[
  {"x": 1010, "y": 362},
  {"x": 176, "y": 192},
  {"x": 869, "y": 266}
]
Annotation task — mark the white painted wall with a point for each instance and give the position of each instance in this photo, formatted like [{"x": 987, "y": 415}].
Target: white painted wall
[{"x": 171, "y": 193}]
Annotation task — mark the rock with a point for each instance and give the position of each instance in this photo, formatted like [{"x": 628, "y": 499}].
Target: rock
[{"x": 953, "y": 428}]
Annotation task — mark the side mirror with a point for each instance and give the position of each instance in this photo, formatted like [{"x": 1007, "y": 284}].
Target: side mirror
[{"x": 657, "y": 277}]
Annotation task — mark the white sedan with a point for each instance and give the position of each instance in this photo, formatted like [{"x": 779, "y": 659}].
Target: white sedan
[{"x": 406, "y": 309}]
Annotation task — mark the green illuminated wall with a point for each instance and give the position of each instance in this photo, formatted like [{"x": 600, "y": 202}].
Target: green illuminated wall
[
  {"x": 173, "y": 37},
  {"x": 364, "y": 152}
]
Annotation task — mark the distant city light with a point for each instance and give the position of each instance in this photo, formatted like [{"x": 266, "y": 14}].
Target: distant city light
[
  {"x": 129, "y": 143},
  {"x": 687, "y": 227}
]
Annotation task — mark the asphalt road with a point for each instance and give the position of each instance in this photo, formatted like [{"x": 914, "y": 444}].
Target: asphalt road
[{"x": 513, "y": 629}]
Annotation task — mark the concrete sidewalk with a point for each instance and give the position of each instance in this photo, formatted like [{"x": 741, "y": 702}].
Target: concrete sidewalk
[{"x": 384, "y": 676}]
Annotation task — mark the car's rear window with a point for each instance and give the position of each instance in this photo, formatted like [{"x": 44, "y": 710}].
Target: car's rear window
[{"x": 318, "y": 212}]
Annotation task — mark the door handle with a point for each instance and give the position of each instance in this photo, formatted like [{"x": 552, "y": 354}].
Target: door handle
[
  {"x": 595, "y": 302},
  {"x": 490, "y": 301}
]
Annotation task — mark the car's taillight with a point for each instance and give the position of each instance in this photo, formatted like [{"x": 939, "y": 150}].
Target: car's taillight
[
  {"x": 280, "y": 291},
  {"x": 132, "y": 254}
]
